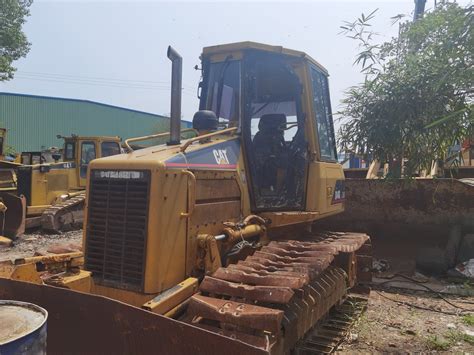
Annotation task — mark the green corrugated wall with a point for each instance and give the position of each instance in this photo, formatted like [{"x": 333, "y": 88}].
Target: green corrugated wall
[{"x": 32, "y": 122}]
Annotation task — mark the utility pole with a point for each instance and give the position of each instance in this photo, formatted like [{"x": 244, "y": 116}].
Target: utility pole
[{"x": 419, "y": 9}]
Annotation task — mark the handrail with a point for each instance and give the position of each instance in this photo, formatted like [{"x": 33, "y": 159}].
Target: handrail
[
  {"x": 151, "y": 136},
  {"x": 204, "y": 136},
  {"x": 191, "y": 193}
]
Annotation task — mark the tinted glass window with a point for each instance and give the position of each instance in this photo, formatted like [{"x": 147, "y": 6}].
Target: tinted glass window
[
  {"x": 110, "y": 148},
  {"x": 322, "y": 108},
  {"x": 87, "y": 154},
  {"x": 69, "y": 151},
  {"x": 26, "y": 159},
  {"x": 223, "y": 94}
]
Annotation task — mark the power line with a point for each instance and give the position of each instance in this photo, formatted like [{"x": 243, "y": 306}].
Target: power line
[
  {"x": 98, "y": 83},
  {"x": 80, "y": 82},
  {"x": 93, "y": 79},
  {"x": 90, "y": 77}
]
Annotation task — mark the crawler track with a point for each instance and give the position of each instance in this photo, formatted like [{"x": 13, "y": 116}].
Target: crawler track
[
  {"x": 66, "y": 215},
  {"x": 327, "y": 336},
  {"x": 276, "y": 297}
]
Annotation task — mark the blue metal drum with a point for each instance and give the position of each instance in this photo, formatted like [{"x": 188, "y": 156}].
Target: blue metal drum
[{"x": 22, "y": 328}]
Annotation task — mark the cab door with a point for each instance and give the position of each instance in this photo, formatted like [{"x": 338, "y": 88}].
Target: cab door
[
  {"x": 274, "y": 126},
  {"x": 326, "y": 177}
]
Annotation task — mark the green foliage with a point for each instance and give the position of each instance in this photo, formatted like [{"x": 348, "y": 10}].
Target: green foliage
[
  {"x": 435, "y": 342},
  {"x": 455, "y": 336},
  {"x": 13, "y": 42},
  {"x": 445, "y": 342},
  {"x": 9, "y": 150},
  {"x": 468, "y": 338},
  {"x": 416, "y": 99},
  {"x": 468, "y": 319}
]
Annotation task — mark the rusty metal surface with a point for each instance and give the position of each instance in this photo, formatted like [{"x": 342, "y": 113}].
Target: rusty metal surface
[
  {"x": 234, "y": 275},
  {"x": 460, "y": 172},
  {"x": 257, "y": 341},
  {"x": 237, "y": 313},
  {"x": 316, "y": 269},
  {"x": 355, "y": 173},
  {"x": 364, "y": 264},
  {"x": 270, "y": 294},
  {"x": 65, "y": 215},
  {"x": 302, "y": 275},
  {"x": 81, "y": 323},
  {"x": 426, "y": 204},
  {"x": 325, "y": 337},
  {"x": 14, "y": 219},
  {"x": 316, "y": 263}
]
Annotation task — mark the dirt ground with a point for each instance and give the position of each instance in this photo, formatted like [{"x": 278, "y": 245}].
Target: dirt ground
[
  {"x": 394, "y": 321},
  {"x": 389, "y": 326},
  {"x": 35, "y": 243}
]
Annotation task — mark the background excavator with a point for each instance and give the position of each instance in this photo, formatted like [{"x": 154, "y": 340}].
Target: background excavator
[
  {"x": 206, "y": 245},
  {"x": 38, "y": 192}
]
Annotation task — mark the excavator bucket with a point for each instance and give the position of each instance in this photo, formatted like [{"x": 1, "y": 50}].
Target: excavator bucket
[
  {"x": 80, "y": 323},
  {"x": 13, "y": 219}
]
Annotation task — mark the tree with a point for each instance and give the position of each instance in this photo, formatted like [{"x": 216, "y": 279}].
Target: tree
[
  {"x": 13, "y": 42},
  {"x": 416, "y": 99}
]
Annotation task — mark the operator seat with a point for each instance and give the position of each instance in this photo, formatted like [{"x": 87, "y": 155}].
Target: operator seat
[{"x": 270, "y": 149}]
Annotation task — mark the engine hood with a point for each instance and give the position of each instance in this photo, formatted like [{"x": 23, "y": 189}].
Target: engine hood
[{"x": 220, "y": 153}]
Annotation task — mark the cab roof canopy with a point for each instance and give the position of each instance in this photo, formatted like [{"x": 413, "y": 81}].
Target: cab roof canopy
[{"x": 241, "y": 46}]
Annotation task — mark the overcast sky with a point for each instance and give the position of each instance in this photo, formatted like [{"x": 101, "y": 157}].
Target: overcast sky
[{"x": 115, "y": 52}]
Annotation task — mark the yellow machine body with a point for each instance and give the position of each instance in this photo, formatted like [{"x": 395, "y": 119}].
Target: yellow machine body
[
  {"x": 30, "y": 187},
  {"x": 48, "y": 181},
  {"x": 160, "y": 219},
  {"x": 194, "y": 188}
]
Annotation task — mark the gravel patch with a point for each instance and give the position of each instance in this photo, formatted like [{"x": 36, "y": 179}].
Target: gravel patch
[{"x": 37, "y": 243}]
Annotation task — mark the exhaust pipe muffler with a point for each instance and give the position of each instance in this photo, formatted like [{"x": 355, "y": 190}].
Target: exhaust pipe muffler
[{"x": 176, "y": 88}]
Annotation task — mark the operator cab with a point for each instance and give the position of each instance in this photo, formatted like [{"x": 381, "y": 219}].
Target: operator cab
[
  {"x": 82, "y": 150},
  {"x": 262, "y": 93}
]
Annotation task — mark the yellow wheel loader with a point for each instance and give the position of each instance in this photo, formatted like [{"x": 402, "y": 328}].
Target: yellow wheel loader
[
  {"x": 50, "y": 194},
  {"x": 205, "y": 246}
]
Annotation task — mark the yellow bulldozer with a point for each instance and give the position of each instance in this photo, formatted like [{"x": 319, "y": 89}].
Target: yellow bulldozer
[
  {"x": 205, "y": 245},
  {"x": 50, "y": 191}
]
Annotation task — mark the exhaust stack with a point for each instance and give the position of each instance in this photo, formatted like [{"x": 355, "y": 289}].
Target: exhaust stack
[{"x": 176, "y": 85}]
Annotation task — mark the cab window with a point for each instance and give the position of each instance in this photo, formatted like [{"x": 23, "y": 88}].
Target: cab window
[
  {"x": 223, "y": 91},
  {"x": 109, "y": 148},
  {"x": 324, "y": 122},
  {"x": 87, "y": 154},
  {"x": 69, "y": 151}
]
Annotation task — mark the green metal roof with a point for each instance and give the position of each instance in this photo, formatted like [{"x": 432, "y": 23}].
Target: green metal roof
[{"x": 32, "y": 122}]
